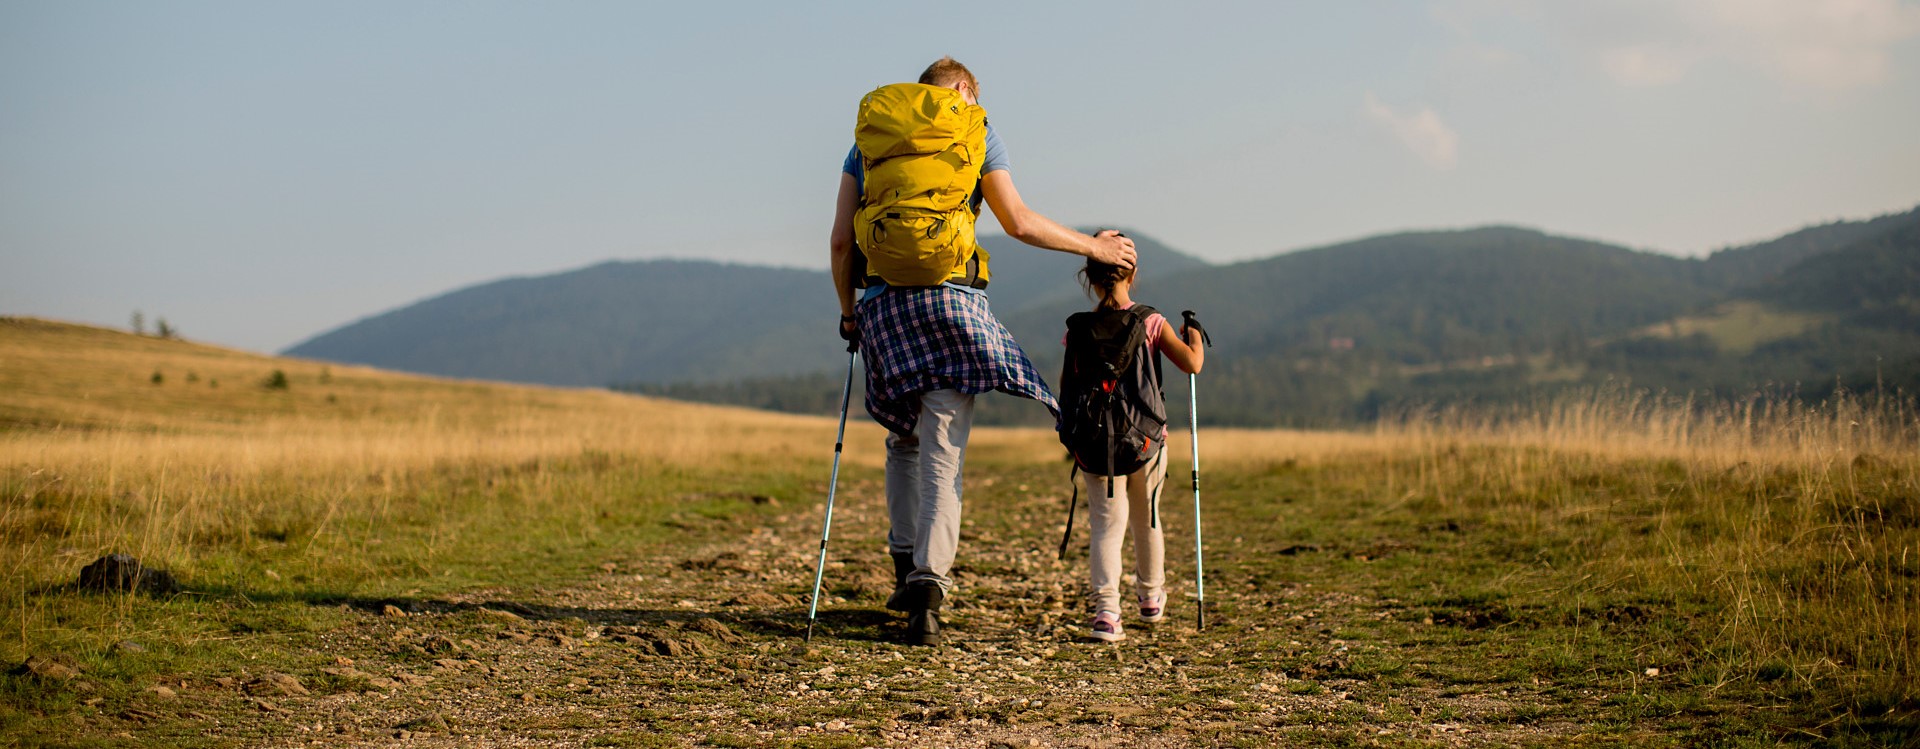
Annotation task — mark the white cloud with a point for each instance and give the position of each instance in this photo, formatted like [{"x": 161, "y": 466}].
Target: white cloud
[
  {"x": 1645, "y": 65},
  {"x": 1422, "y": 132},
  {"x": 1831, "y": 44}
]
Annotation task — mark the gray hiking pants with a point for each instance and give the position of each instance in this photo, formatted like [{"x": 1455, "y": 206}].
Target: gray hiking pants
[
  {"x": 1136, "y": 505},
  {"x": 923, "y": 485}
]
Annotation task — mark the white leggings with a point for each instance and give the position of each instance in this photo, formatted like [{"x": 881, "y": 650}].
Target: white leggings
[{"x": 1136, "y": 497}]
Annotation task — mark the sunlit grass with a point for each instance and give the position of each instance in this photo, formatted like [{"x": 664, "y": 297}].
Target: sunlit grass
[{"x": 1795, "y": 527}]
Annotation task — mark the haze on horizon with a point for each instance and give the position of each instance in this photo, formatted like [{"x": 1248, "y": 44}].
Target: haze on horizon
[{"x": 258, "y": 173}]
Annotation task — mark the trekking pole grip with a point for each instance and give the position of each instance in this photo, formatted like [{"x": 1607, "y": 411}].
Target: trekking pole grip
[{"x": 1189, "y": 322}]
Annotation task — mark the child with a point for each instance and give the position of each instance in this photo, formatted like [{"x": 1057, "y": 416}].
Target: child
[{"x": 1114, "y": 501}]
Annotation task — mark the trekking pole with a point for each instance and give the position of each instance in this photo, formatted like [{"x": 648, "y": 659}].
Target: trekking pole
[
  {"x": 1193, "y": 431},
  {"x": 839, "y": 442},
  {"x": 1199, "y": 559},
  {"x": 1072, "y": 504}
]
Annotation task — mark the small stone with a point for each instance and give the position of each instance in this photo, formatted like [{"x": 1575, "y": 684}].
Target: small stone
[
  {"x": 392, "y": 610},
  {"x": 712, "y": 627},
  {"x": 162, "y": 692},
  {"x": 225, "y": 682},
  {"x": 120, "y": 573},
  {"x": 382, "y": 682},
  {"x": 503, "y": 615},
  {"x": 440, "y": 644},
  {"x": 266, "y": 706},
  {"x": 47, "y": 669},
  {"x": 428, "y": 722},
  {"x": 277, "y": 684},
  {"x": 1653, "y": 672},
  {"x": 526, "y": 696}
]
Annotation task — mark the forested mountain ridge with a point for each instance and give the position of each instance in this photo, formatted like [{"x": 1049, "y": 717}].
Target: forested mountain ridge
[
  {"x": 656, "y": 321},
  {"x": 1739, "y": 267},
  {"x": 1325, "y": 335}
]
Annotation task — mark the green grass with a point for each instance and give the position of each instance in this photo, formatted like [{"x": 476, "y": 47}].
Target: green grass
[{"x": 1524, "y": 590}]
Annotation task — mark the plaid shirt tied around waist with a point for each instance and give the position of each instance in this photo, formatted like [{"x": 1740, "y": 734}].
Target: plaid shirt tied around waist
[{"x": 915, "y": 340}]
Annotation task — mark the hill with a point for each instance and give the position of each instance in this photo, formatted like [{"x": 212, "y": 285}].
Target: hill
[
  {"x": 1750, "y": 265},
  {"x": 1319, "y": 336},
  {"x": 616, "y": 321},
  {"x": 1348, "y": 331},
  {"x": 654, "y": 321}
]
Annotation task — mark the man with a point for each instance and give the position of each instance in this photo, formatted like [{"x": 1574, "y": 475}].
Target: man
[{"x": 928, "y": 351}]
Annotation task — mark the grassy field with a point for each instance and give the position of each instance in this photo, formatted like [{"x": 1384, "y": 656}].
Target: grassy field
[
  {"x": 1738, "y": 327},
  {"x": 371, "y": 558}
]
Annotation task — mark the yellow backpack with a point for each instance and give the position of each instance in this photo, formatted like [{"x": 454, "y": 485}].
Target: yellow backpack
[{"x": 922, "y": 148}]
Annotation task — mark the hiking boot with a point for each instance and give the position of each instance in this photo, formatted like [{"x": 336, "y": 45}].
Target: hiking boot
[
  {"x": 902, "y": 567},
  {"x": 1153, "y": 608},
  {"x": 1106, "y": 627},
  {"x": 923, "y": 613}
]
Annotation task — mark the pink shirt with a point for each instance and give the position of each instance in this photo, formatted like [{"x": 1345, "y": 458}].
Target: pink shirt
[{"x": 1155, "y": 322}]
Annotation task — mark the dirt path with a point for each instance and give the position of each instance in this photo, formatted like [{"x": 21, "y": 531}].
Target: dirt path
[{"x": 703, "y": 647}]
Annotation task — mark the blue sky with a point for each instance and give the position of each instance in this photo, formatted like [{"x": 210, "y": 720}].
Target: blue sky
[{"x": 257, "y": 172}]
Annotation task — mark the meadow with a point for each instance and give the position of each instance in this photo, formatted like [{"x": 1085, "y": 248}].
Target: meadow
[{"x": 455, "y": 563}]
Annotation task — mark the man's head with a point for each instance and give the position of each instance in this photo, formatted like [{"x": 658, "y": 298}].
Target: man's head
[{"x": 947, "y": 72}]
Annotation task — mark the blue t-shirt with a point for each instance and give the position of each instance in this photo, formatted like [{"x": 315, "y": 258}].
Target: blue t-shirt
[{"x": 996, "y": 161}]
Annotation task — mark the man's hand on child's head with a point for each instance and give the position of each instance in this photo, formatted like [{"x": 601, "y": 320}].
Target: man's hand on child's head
[{"x": 1113, "y": 248}]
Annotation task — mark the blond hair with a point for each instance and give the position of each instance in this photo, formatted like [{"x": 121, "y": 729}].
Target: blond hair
[{"x": 947, "y": 71}]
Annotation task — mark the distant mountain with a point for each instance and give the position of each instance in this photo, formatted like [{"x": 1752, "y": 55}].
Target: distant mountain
[
  {"x": 658, "y": 321},
  {"x": 1875, "y": 281},
  {"x": 1341, "y": 333},
  {"x": 1326, "y": 335},
  {"x": 1421, "y": 297},
  {"x": 1739, "y": 267}
]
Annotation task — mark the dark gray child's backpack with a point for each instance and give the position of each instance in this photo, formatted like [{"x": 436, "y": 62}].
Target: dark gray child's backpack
[{"x": 1112, "y": 408}]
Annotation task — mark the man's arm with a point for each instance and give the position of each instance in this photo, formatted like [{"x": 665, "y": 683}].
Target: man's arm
[
  {"x": 1027, "y": 225},
  {"x": 841, "y": 242}
]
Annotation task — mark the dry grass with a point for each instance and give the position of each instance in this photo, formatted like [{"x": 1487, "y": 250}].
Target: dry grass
[{"x": 1799, "y": 525}]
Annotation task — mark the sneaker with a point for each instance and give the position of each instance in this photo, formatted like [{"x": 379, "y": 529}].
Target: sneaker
[
  {"x": 1106, "y": 627},
  {"x": 1153, "y": 608}
]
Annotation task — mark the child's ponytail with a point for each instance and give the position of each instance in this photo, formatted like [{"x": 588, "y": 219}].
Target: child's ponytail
[{"x": 1098, "y": 279}]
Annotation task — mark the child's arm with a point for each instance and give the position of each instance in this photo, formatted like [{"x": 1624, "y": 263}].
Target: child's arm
[{"x": 1188, "y": 355}]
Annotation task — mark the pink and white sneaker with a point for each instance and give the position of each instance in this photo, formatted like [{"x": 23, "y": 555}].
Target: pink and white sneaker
[
  {"x": 1153, "y": 608},
  {"x": 1106, "y": 627}
]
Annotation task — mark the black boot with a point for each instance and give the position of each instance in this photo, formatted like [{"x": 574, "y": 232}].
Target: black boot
[
  {"x": 902, "y": 567},
  {"x": 923, "y": 613}
]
